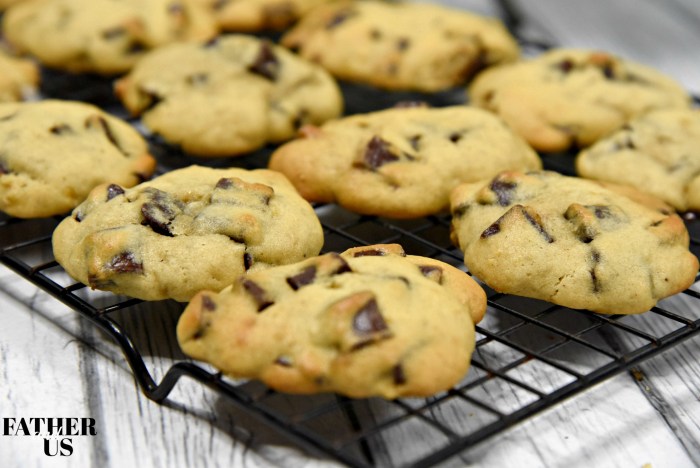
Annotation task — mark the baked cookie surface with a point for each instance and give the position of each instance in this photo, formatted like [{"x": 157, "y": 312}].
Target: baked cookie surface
[
  {"x": 229, "y": 96},
  {"x": 368, "y": 322},
  {"x": 571, "y": 97},
  {"x": 401, "y": 162},
  {"x": 658, "y": 153},
  {"x": 102, "y": 36},
  {"x": 400, "y": 46},
  {"x": 190, "y": 229},
  {"x": 18, "y": 76},
  {"x": 570, "y": 241},
  {"x": 53, "y": 153},
  {"x": 259, "y": 15}
]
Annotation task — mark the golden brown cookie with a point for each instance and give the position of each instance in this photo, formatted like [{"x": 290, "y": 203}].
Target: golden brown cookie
[
  {"x": 570, "y": 241},
  {"x": 190, "y": 229},
  {"x": 571, "y": 97},
  {"x": 18, "y": 77},
  {"x": 368, "y": 322},
  {"x": 259, "y": 15}
]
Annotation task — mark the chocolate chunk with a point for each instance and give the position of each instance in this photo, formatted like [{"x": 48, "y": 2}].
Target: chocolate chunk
[
  {"x": 503, "y": 190},
  {"x": 431, "y": 272},
  {"x": 283, "y": 361},
  {"x": 100, "y": 122},
  {"x": 4, "y": 169},
  {"x": 415, "y": 142},
  {"x": 595, "y": 256},
  {"x": 114, "y": 190},
  {"x": 258, "y": 294},
  {"x": 78, "y": 216},
  {"x": 158, "y": 214},
  {"x": 153, "y": 99},
  {"x": 198, "y": 79},
  {"x": 300, "y": 118},
  {"x": 608, "y": 71},
  {"x": 208, "y": 304},
  {"x": 136, "y": 47},
  {"x": 213, "y": 42},
  {"x": 377, "y": 153},
  {"x": 455, "y": 137},
  {"x": 601, "y": 211},
  {"x": 125, "y": 262},
  {"x": 460, "y": 210},
  {"x": 398, "y": 374},
  {"x": 113, "y": 33},
  {"x": 565, "y": 65},
  {"x": 61, "y": 129},
  {"x": 536, "y": 224},
  {"x": 247, "y": 261},
  {"x": 224, "y": 183},
  {"x": 342, "y": 267},
  {"x": 403, "y": 43},
  {"x": 369, "y": 324},
  {"x": 369, "y": 253},
  {"x": 339, "y": 18},
  {"x": 266, "y": 63},
  {"x": 307, "y": 276},
  {"x": 492, "y": 230}
]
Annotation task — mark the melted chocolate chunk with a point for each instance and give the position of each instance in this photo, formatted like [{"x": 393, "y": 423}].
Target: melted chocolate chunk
[
  {"x": 78, "y": 216},
  {"x": 307, "y": 276},
  {"x": 368, "y": 320},
  {"x": 213, "y": 42},
  {"x": 247, "y": 261},
  {"x": 208, "y": 304},
  {"x": 343, "y": 266},
  {"x": 492, "y": 230},
  {"x": 536, "y": 224},
  {"x": 99, "y": 121},
  {"x": 136, "y": 47},
  {"x": 455, "y": 137},
  {"x": 224, "y": 183},
  {"x": 4, "y": 169},
  {"x": 153, "y": 99},
  {"x": 369, "y": 253},
  {"x": 258, "y": 294},
  {"x": 158, "y": 214},
  {"x": 565, "y": 65},
  {"x": 415, "y": 142},
  {"x": 461, "y": 210},
  {"x": 601, "y": 211},
  {"x": 125, "y": 263},
  {"x": 113, "y": 33},
  {"x": 283, "y": 361},
  {"x": 595, "y": 256},
  {"x": 431, "y": 272},
  {"x": 339, "y": 19},
  {"x": 377, "y": 154},
  {"x": 503, "y": 190},
  {"x": 266, "y": 63},
  {"x": 398, "y": 374},
  {"x": 61, "y": 129},
  {"x": 198, "y": 79},
  {"x": 608, "y": 71},
  {"x": 114, "y": 190}
]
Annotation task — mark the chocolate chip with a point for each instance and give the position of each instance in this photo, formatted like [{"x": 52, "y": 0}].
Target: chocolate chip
[
  {"x": 415, "y": 142},
  {"x": 455, "y": 137},
  {"x": 656, "y": 223},
  {"x": 306, "y": 276},
  {"x": 153, "y": 99},
  {"x": 78, "y": 216},
  {"x": 213, "y": 42},
  {"x": 492, "y": 230},
  {"x": 113, "y": 190},
  {"x": 113, "y": 33},
  {"x": 258, "y": 293},
  {"x": 101, "y": 122},
  {"x": 342, "y": 267},
  {"x": 266, "y": 63},
  {"x": 398, "y": 374},
  {"x": 136, "y": 47},
  {"x": 224, "y": 183},
  {"x": 595, "y": 256},
  {"x": 4, "y": 169},
  {"x": 601, "y": 211},
  {"x": 283, "y": 361},
  {"x": 158, "y": 214},
  {"x": 608, "y": 71},
  {"x": 460, "y": 210},
  {"x": 536, "y": 224},
  {"x": 300, "y": 119},
  {"x": 369, "y": 324},
  {"x": 61, "y": 129},
  {"x": 247, "y": 261},
  {"x": 339, "y": 18},
  {"x": 197, "y": 79},
  {"x": 431, "y": 272},
  {"x": 504, "y": 191},
  {"x": 377, "y": 153},
  {"x": 565, "y": 65},
  {"x": 208, "y": 304},
  {"x": 403, "y": 43},
  {"x": 369, "y": 253},
  {"x": 125, "y": 262}
]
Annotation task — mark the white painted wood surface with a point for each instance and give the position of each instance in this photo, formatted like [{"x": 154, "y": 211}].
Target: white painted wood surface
[{"x": 55, "y": 365}]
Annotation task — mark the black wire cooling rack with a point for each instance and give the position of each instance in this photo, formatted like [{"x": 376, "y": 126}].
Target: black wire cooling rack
[{"x": 530, "y": 355}]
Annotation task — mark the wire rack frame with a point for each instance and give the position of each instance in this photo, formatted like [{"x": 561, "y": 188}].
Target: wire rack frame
[{"x": 529, "y": 355}]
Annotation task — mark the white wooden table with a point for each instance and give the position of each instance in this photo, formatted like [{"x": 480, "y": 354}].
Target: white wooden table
[{"x": 54, "y": 364}]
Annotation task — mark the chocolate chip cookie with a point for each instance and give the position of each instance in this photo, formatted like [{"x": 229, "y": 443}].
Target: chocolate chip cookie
[
  {"x": 259, "y": 15},
  {"x": 368, "y": 322},
  {"x": 658, "y": 153},
  {"x": 52, "y": 153},
  {"x": 229, "y": 96},
  {"x": 190, "y": 229},
  {"x": 571, "y": 98},
  {"x": 19, "y": 77},
  {"x": 102, "y": 36},
  {"x": 401, "y": 162},
  {"x": 570, "y": 241},
  {"x": 402, "y": 45}
]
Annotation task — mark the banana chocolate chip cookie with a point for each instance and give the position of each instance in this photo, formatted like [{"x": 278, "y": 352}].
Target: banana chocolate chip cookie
[
  {"x": 18, "y": 77},
  {"x": 400, "y": 45},
  {"x": 401, "y": 162},
  {"x": 228, "y": 96},
  {"x": 658, "y": 153},
  {"x": 570, "y": 97},
  {"x": 571, "y": 241},
  {"x": 102, "y": 36},
  {"x": 368, "y": 322},
  {"x": 53, "y": 153},
  {"x": 190, "y": 229}
]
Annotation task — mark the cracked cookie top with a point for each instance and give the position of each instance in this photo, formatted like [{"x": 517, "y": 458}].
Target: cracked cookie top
[
  {"x": 401, "y": 162},
  {"x": 400, "y": 45},
  {"x": 368, "y": 322},
  {"x": 228, "y": 96},
  {"x": 190, "y": 229},
  {"x": 53, "y": 153},
  {"x": 102, "y": 36},
  {"x": 571, "y": 241},
  {"x": 658, "y": 153},
  {"x": 568, "y": 97}
]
